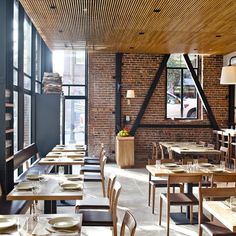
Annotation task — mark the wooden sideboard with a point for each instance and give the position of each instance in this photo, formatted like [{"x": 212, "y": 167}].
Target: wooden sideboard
[{"x": 125, "y": 151}]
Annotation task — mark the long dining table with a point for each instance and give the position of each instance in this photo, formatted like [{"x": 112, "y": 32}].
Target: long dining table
[
  {"x": 189, "y": 149},
  {"x": 202, "y": 169},
  {"x": 48, "y": 188}
]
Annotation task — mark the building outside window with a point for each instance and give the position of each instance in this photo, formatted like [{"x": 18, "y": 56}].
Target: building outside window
[{"x": 181, "y": 96}]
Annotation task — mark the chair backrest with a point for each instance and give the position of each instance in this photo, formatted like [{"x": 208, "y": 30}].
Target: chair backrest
[
  {"x": 129, "y": 222},
  {"x": 162, "y": 151},
  {"x": 224, "y": 153},
  {"x": 102, "y": 165},
  {"x": 110, "y": 185},
  {"x": 154, "y": 151},
  {"x": 114, "y": 200},
  {"x": 213, "y": 193},
  {"x": 101, "y": 153},
  {"x": 184, "y": 178},
  {"x": 223, "y": 178}
]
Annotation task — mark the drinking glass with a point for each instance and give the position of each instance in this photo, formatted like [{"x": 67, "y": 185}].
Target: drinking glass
[
  {"x": 195, "y": 163},
  {"x": 158, "y": 163},
  {"x": 233, "y": 203},
  {"x": 22, "y": 225},
  {"x": 189, "y": 166},
  {"x": 222, "y": 165},
  {"x": 61, "y": 170}
]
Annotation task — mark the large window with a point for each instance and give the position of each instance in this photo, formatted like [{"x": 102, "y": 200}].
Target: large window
[
  {"x": 27, "y": 120},
  {"x": 181, "y": 97}
]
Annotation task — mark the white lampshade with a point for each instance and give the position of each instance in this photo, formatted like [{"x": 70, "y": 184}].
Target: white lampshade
[
  {"x": 228, "y": 75},
  {"x": 130, "y": 94}
]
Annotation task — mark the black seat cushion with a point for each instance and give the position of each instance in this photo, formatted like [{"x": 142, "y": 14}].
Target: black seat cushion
[
  {"x": 13, "y": 207},
  {"x": 93, "y": 203},
  {"x": 96, "y": 218},
  {"x": 88, "y": 168},
  {"x": 92, "y": 162},
  {"x": 92, "y": 178},
  {"x": 162, "y": 183},
  {"x": 215, "y": 228},
  {"x": 91, "y": 158},
  {"x": 181, "y": 198}
]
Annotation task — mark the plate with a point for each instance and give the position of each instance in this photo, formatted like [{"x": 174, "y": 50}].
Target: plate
[
  {"x": 77, "y": 159},
  {"x": 71, "y": 186},
  {"x": 34, "y": 177},
  {"x": 169, "y": 164},
  {"x": 6, "y": 222},
  {"x": 217, "y": 170},
  {"x": 24, "y": 186},
  {"x": 178, "y": 171},
  {"x": 49, "y": 159},
  {"x": 63, "y": 222},
  {"x": 205, "y": 164},
  {"x": 75, "y": 177}
]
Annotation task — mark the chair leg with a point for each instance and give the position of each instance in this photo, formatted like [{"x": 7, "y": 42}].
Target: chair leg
[
  {"x": 153, "y": 198},
  {"x": 114, "y": 229},
  {"x": 149, "y": 193},
  {"x": 103, "y": 189},
  {"x": 160, "y": 213},
  {"x": 168, "y": 220},
  {"x": 191, "y": 215},
  {"x": 200, "y": 231}
]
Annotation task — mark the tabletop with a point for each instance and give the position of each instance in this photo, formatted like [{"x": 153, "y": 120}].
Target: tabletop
[
  {"x": 165, "y": 171},
  {"x": 222, "y": 212},
  {"x": 66, "y": 154},
  {"x": 61, "y": 161},
  {"x": 49, "y": 188},
  {"x": 189, "y": 148},
  {"x": 41, "y": 225},
  {"x": 69, "y": 148}
]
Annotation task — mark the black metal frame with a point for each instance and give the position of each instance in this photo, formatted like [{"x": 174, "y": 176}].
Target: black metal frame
[
  {"x": 149, "y": 94},
  {"x": 201, "y": 93}
]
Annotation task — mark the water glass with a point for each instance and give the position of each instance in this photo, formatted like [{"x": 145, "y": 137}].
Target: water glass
[
  {"x": 233, "y": 203},
  {"x": 189, "y": 166},
  {"x": 222, "y": 165},
  {"x": 61, "y": 170},
  {"x": 158, "y": 164},
  {"x": 22, "y": 226}
]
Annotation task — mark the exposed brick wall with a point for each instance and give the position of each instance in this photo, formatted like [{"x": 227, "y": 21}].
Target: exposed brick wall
[
  {"x": 101, "y": 104},
  {"x": 138, "y": 71}
]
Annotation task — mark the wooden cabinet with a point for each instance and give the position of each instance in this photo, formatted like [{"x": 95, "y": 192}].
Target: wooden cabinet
[{"x": 125, "y": 151}]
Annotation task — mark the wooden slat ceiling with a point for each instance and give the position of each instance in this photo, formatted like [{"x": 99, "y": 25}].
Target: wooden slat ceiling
[{"x": 181, "y": 26}]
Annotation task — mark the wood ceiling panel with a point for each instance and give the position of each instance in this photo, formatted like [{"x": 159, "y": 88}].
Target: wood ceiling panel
[{"x": 181, "y": 26}]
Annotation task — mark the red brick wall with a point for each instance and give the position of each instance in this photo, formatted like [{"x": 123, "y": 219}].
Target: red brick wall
[{"x": 138, "y": 71}]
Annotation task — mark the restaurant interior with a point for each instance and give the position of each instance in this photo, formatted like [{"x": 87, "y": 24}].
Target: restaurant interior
[{"x": 117, "y": 117}]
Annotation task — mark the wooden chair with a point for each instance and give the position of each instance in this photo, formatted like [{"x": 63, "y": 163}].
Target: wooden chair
[
  {"x": 154, "y": 151},
  {"x": 223, "y": 178},
  {"x": 158, "y": 183},
  {"x": 218, "y": 138},
  {"x": 129, "y": 222},
  {"x": 102, "y": 217},
  {"x": 98, "y": 203},
  {"x": 224, "y": 155},
  {"x": 162, "y": 151},
  {"x": 213, "y": 227},
  {"x": 202, "y": 143},
  {"x": 97, "y": 176},
  {"x": 179, "y": 199},
  {"x": 95, "y": 160}
]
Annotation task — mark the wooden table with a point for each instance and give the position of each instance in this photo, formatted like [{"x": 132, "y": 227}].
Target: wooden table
[
  {"x": 189, "y": 148},
  {"x": 61, "y": 161},
  {"x": 69, "y": 148},
  {"x": 222, "y": 212},
  {"x": 180, "y": 218},
  {"x": 40, "y": 227},
  {"x": 49, "y": 191}
]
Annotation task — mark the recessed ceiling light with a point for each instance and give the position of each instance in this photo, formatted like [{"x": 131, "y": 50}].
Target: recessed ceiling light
[
  {"x": 53, "y": 7},
  {"x": 195, "y": 49},
  {"x": 218, "y": 36},
  {"x": 131, "y": 47},
  {"x": 60, "y": 31},
  {"x": 210, "y": 49},
  {"x": 157, "y": 10},
  {"x": 141, "y": 33}
]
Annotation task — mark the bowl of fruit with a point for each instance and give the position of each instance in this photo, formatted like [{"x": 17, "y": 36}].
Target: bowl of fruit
[{"x": 124, "y": 133}]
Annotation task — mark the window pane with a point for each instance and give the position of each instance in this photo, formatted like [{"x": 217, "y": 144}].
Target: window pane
[
  {"x": 15, "y": 33},
  {"x": 15, "y": 77},
  {"x": 27, "y": 83},
  {"x": 173, "y": 93},
  {"x": 77, "y": 91},
  {"x": 177, "y": 60},
  {"x": 37, "y": 58},
  {"x": 15, "y": 111},
  {"x": 27, "y": 120},
  {"x": 37, "y": 87},
  {"x": 27, "y": 45},
  {"x": 190, "y": 96},
  {"x": 75, "y": 121}
]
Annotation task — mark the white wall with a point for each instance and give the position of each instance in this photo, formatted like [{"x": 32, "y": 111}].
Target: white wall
[{"x": 227, "y": 57}]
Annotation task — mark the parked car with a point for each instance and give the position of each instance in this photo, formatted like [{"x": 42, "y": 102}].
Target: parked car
[{"x": 174, "y": 107}]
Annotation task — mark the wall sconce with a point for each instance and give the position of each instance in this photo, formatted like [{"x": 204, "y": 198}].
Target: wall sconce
[
  {"x": 228, "y": 73},
  {"x": 130, "y": 94}
]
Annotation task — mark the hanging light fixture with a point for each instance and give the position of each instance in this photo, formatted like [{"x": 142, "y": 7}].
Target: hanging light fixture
[{"x": 228, "y": 73}]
